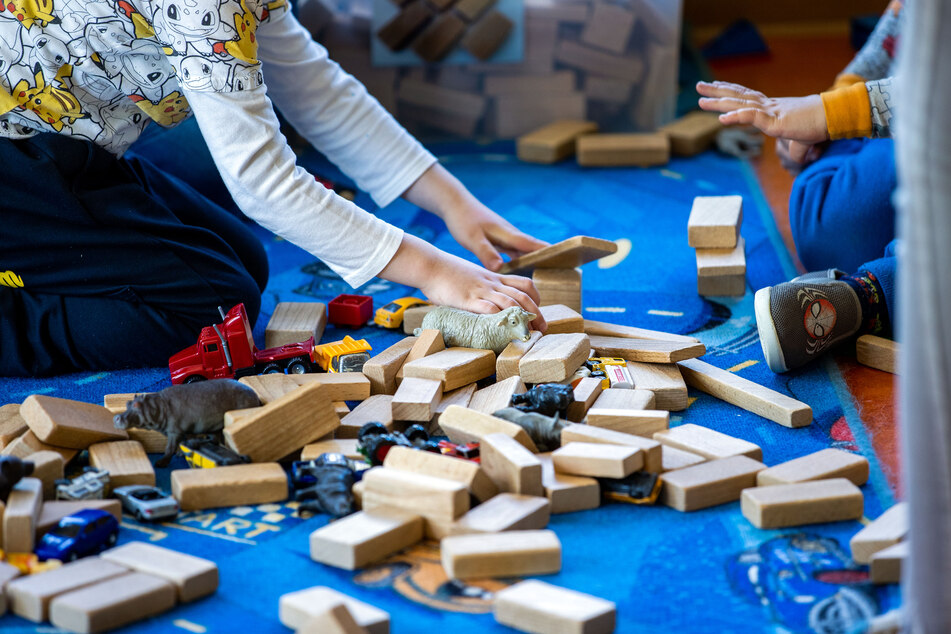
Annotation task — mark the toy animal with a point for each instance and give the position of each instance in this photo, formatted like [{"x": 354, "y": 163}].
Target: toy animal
[
  {"x": 546, "y": 399},
  {"x": 184, "y": 410},
  {"x": 544, "y": 431},
  {"x": 326, "y": 485},
  {"x": 485, "y": 332},
  {"x": 12, "y": 470}
]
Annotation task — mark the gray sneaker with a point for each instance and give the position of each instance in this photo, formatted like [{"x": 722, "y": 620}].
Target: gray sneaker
[{"x": 801, "y": 319}]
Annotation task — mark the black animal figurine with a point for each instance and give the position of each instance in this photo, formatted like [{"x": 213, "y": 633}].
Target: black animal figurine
[
  {"x": 329, "y": 485},
  {"x": 12, "y": 470},
  {"x": 545, "y": 431},
  {"x": 546, "y": 399}
]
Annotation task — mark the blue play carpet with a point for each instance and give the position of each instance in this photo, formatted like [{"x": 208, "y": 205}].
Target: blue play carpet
[{"x": 706, "y": 571}]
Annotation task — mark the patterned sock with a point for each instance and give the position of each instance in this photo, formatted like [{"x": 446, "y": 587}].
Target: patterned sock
[{"x": 872, "y": 298}]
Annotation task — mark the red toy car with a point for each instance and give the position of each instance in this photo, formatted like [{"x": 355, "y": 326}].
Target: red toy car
[{"x": 350, "y": 310}]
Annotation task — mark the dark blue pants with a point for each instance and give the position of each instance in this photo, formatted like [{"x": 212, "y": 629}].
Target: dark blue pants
[{"x": 121, "y": 264}]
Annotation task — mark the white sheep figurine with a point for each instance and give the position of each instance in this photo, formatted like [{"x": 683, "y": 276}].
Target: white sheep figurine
[{"x": 485, "y": 332}]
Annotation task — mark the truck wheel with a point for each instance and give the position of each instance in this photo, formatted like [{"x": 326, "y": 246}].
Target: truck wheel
[
  {"x": 297, "y": 365},
  {"x": 272, "y": 368},
  {"x": 195, "y": 378}
]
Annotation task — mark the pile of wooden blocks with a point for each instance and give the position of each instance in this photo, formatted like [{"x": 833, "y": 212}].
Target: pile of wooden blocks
[{"x": 713, "y": 229}]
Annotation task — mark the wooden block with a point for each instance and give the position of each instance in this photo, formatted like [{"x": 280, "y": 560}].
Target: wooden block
[
  {"x": 235, "y": 485},
  {"x": 645, "y": 422},
  {"x": 645, "y": 350},
  {"x": 592, "y": 60},
  {"x": 428, "y": 342},
  {"x": 566, "y": 254},
  {"x": 71, "y": 424},
  {"x": 12, "y": 425},
  {"x": 21, "y": 515},
  {"x": 559, "y": 286},
  {"x": 28, "y": 444},
  {"x": 7, "y": 573},
  {"x": 821, "y": 465},
  {"x": 818, "y": 502},
  {"x": 604, "y": 329},
  {"x": 886, "y": 565},
  {"x": 460, "y": 396},
  {"x": 416, "y": 399},
  {"x": 509, "y": 554},
  {"x": 586, "y": 394},
  {"x": 434, "y": 498},
  {"x": 48, "y": 468},
  {"x": 587, "y": 434},
  {"x": 341, "y": 408},
  {"x": 721, "y": 285},
  {"x": 597, "y": 460},
  {"x": 609, "y": 28},
  {"x": 536, "y": 606},
  {"x": 707, "y": 442},
  {"x": 497, "y": 396},
  {"x": 561, "y": 319},
  {"x": 614, "y": 150},
  {"x": 714, "y": 222},
  {"x": 890, "y": 528},
  {"x": 293, "y": 322},
  {"x": 398, "y": 32},
  {"x": 192, "y": 577},
  {"x": 568, "y": 493},
  {"x": 436, "y": 40},
  {"x": 506, "y": 364},
  {"x": 504, "y": 512},
  {"x": 125, "y": 461},
  {"x": 877, "y": 352},
  {"x": 556, "y": 11},
  {"x": 726, "y": 262},
  {"x": 466, "y": 472},
  {"x": 30, "y": 596},
  {"x": 613, "y": 91},
  {"x": 346, "y": 446},
  {"x": 514, "y": 116},
  {"x": 285, "y": 425},
  {"x": 553, "y": 142},
  {"x": 381, "y": 369},
  {"x": 112, "y": 603},
  {"x": 472, "y": 10},
  {"x": 621, "y": 398},
  {"x": 709, "y": 483},
  {"x": 673, "y": 459},
  {"x": 365, "y": 538},
  {"x": 559, "y": 82},
  {"x": 465, "y": 425},
  {"x": 512, "y": 467},
  {"x": 664, "y": 380},
  {"x": 53, "y": 511},
  {"x": 455, "y": 367},
  {"x": 554, "y": 358},
  {"x": 152, "y": 441},
  {"x": 741, "y": 392},
  {"x": 378, "y": 408},
  {"x": 413, "y": 317},
  {"x": 692, "y": 133},
  {"x": 486, "y": 37},
  {"x": 297, "y": 607},
  {"x": 336, "y": 619},
  {"x": 341, "y": 386}
]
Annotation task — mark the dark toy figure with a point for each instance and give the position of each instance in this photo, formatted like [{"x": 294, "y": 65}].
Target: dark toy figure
[
  {"x": 12, "y": 470},
  {"x": 546, "y": 399},
  {"x": 638, "y": 488},
  {"x": 545, "y": 431},
  {"x": 325, "y": 485},
  {"x": 376, "y": 440}
]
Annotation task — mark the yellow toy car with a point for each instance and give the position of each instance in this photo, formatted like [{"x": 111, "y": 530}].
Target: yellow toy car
[
  {"x": 614, "y": 371},
  {"x": 391, "y": 315}
]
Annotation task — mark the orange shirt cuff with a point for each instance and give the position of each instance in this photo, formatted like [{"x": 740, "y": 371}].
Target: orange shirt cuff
[
  {"x": 846, "y": 79},
  {"x": 848, "y": 112}
]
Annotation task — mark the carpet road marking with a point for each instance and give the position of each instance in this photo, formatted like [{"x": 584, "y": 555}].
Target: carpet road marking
[
  {"x": 154, "y": 535},
  {"x": 42, "y": 390},
  {"x": 665, "y": 313},
  {"x": 93, "y": 378},
  {"x": 191, "y": 627},
  {"x": 192, "y": 529},
  {"x": 742, "y": 366},
  {"x": 672, "y": 174},
  {"x": 606, "y": 309},
  {"x": 623, "y": 250}
]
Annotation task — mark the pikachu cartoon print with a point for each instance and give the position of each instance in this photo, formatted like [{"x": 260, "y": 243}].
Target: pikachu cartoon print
[
  {"x": 53, "y": 105},
  {"x": 29, "y": 12},
  {"x": 245, "y": 47}
]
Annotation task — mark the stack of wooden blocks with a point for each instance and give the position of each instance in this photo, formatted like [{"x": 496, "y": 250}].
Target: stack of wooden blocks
[{"x": 713, "y": 229}]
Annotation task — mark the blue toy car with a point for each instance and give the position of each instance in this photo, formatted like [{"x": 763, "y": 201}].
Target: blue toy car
[{"x": 83, "y": 533}]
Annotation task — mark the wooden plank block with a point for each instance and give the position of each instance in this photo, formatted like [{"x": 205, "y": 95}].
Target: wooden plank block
[
  {"x": 413, "y": 318},
  {"x": 7, "y": 574},
  {"x": 890, "y": 528},
  {"x": 192, "y": 577},
  {"x": 615, "y": 150},
  {"x": 381, "y": 369},
  {"x": 506, "y": 364},
  {"x": 561, "y": 319},
  {"x": 437, "y": 39},
  {"x": 466, "y": 472},
  {"x": 285, "y": 425},
  {"x": 12, "y": 425},
  {"x": 554, "y": 358},
  {"x": 293, "y": 322},
  {"x": 508, "y": 554},
  {"x": 152, "y": 441},
  {"x": 645, "y": 422},
  {"x": 486, "y": 37},
  {"x": 555, "y": 141},
  {"x": 416, "y": 399},
  {"x": 597, "y": 460},
  {"x": 30, "y": 596},
  {"x": 586, "y": 393},
  {"x": 125, "y": 461},
  {"x": 472, "y": 10},
  {"x": 341, "y": 408},
  {"x": 235, "y": 485},
  {"x": 71, "y": 424},
  {"x": 504, "y": 512},
  {"x": 22, "y": 514},
  {"x": 435, "y": 499},
  {"x": 645, "y": 350},
  {"x": 48, "y": 468},
  {"x": 460, "y": 396},
  {"x": 559, "y": 286},
  {"x": 346, "y": 446},
  {"x": 726, "y": 262},
  {"x": 568, "y": 493},
  {"x": 464, "y": 425},
  {"x": 707, "y": 442},
  {"x": 512, "y": 467},
  {"x": 721, "y": 285},
  {"x": 55, "y": 510},
  {"x": 295, "y": 608},
  {"x": 336, "y": 619},
  {"x": 877, "y": 352},
  {"x": 514, "y": 116},
  {"x": 455, "y": 367},
  {"x": 612, "y": 91},
  {"x": 741, "y": 392},
  {"x": 592, "y": 60},
  {"x": 364, "y": 538},
  {"x": 536, "y": 606},
  {"x": 664, "y": 380},
  {"x": 399, "y": 31},
  {"x": 428, "y": 342},
  {"x": 497, "y": 396},
  {"x": 378, "y": 408},
  {"x": 28, "y": 444},
  {"x": 586, "y": 433},
  {"x": 556, "y": 11},
  {"x": 609, "y": 28},
  {"x": 709, "y": 483},
  {"x": 886, "y": 565},
  {"x": 341, "y": 386},
  {"x": 559, "y": 82},
  {"x": 604, "y": 329},
  {"x": 715, "y": 221},
  {"x": 820, "y": 465},
  {"x": 270, "y": 387},
  {"x": 673, "y": 459},
  {"x": 692, "y": 133},
  {"x": 566, "y": 254},
  {"x": 112, "y": 603},
  {"x": 817, "y": 502},
  {"x": 621, "y": 398}
]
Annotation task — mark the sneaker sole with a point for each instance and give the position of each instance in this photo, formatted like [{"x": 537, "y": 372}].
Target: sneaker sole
[{"x": 768, "y": 337}]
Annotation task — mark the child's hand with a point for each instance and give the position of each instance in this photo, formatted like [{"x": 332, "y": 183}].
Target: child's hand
[{"x": 800, "y": 119}]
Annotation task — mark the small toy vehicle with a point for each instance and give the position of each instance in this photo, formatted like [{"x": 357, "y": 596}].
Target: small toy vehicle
[
  {"x": 346, "y": 355},
  {"x": 614, "y": 370},
  {"x": 468, "y": 451},
  {"x": 203, "y": 452},
  {"x": 350, "y": 310},
  {"x": 147, "y": 503},
  {"x": 640, "y": 487},
  {"x": 391, "y": 315},
  {"x": 83, "y": 533},
  {"x": 91, "y": 485},
  {"x": 375, "y": 441}
]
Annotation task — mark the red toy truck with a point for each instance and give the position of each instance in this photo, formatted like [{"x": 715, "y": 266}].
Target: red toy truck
[{"x": 227, "y": 351}]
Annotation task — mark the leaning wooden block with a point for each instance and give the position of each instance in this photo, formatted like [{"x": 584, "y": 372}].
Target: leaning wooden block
[
  {"x": 504, "y": 512},
  {"x": 381, "y": 369},
  {"x": 554, "y": 358},
  {"x": 559, "y": 286},
  {"x": 296, "y": 608},
  {"x": 53, "y": 511},
  {"x": 125, "y": 461},
  {"x": 429, "y": 341},
  {"x": 285, "y": 425},
  {"x": 345, "y": 446},
  {"x": 721, "y": 285},
  {"x": 782, "y": 505},
  {"x": 615, "y": 150},
  {"x": 645, "y": 350},
  {"x": 609, "y": 27},
  {"x": 664, "y": 380},
  {"x": 506, "y": 364},
  {"x": 152, "y": 441},
  {"x": 590, "y": 434},
  {"x": 336, "y": 619},
  {"x": 541, "y": 608},
  {"x": 709, "y": 483},
  {"x": 877, "y": 352},
  {"x": 714, "y": 222},
  {"x": 561, "y": 319},
  {"x": 71, "y": 424},
  {"x": 341, "y": 386},
  {"x": 512, "y": 467},
  {"x": 464, "y": 425},
  {"x": 673, "y": 459},
  {"x": 644, "y": 422},
  {"x": 235, "y": 485},
  {"x": 886, "y": 565},
  {"x": 568, "y": 493},
  {"x": 497, "y": 396},
  {"x": 364, "y": 538},
  {"x": 28, "y": 444},
  {"x": 118, "y": 403},
  {"x": 707, "y": 442},
  {"x": 508, "y": 554},
  {"x": 293, "y": 322},
  {"x": 460, "y": 396},
  {"x": 455, "y": 367},
  {"x": 470, "y": 10},
  {"x": 48, "y": 468},
  {"x": 7, "y": 574},
  {"x": 378, "y": 408},
  {"x": 416, "y": 399},
  {"x": 22, "y": 515},
  {"x": 466, "y": 472},
  {"x": 728, "y": 261},
  {"x": 12, "y": 425},
  {"x": 597, "y": 460},
  {"x": 554, "y": 142},
  {"x": 487, "y": 36},
  {"x": 692, "y": 133},
  {"x": 112, "y": 603},
  {"x": 890, "y": 528},
  {"x": 821, "y": 465},
  {"x": 586, "y": 393},
  {"x": 604, "y": 329},
  {"x": 440, "y": 37},
  {"x": 405, "y": 25},
  {"x": 413, "y": 318},
  {"x": 192, "y": 577},
  {"x": 428, "y": 496},
  {"x": 566, "y": 254},
  {"x": 741, "y": 392},
  {"x": 30, "y": 596}
]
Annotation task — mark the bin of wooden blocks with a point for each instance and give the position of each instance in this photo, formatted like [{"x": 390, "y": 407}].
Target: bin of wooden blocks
[{"x": 713, "y": 229}]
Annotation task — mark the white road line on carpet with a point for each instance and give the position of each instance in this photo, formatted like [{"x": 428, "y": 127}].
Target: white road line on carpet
[
  {"x": 191, "y": 627},
  {"x": 605, "y": 309},
  {"x": 92, "y": 379},
  {"x": 666, "y": 313}
]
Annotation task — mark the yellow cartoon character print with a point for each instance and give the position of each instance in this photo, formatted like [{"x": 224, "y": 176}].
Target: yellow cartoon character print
[
  {"x": 169, "y": 111},
  {"x": 29, "y": 12},
  {"x": 245, "y": 47},
  {"x": 51, "y": 104}
]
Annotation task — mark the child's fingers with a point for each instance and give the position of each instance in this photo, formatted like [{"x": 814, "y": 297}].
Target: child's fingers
[
  {"x": 748, "y": 116},
  {"x": 727, "y": 89},
  {"x": 487, "y": 254},
  {"x": 726, "y": 104},
  {"x": 523, "y": 284},
  {"x": 482, "y": 306}
]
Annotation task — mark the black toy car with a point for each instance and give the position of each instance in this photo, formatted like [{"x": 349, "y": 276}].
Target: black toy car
[
  {"x": 375, "y": 441},
  {"x": 202, "y": 452}
]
